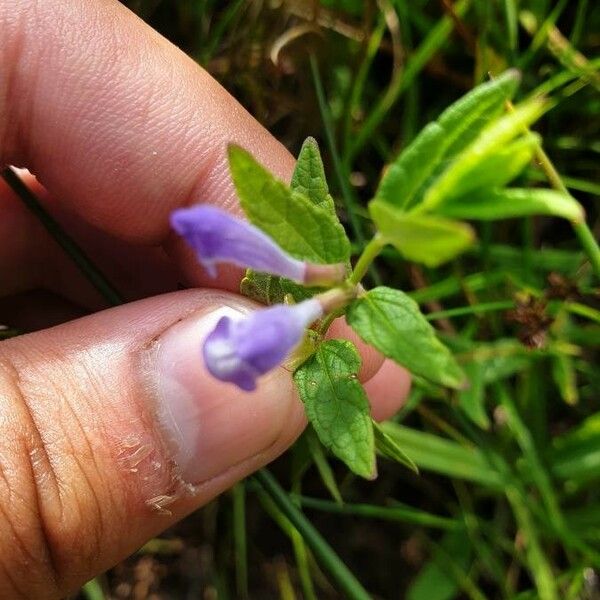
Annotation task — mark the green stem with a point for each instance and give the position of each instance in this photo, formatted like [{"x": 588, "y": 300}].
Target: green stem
[
  {"x": 471, "y": 310},
  {"x": 348, "y": 585},
  {"x": 370, "y": 252},
  {"x": 239, "y": 535},
  {"x": 77, "y": 255},
  {"x": 581, "y": 228},
  {"x": 398, "y": 512},
  {"x": 92, "y": 590},
  {"x": 589, "y": 244}
]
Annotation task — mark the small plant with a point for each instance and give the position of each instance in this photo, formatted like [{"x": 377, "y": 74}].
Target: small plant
[{"x": 298, "y": 254}]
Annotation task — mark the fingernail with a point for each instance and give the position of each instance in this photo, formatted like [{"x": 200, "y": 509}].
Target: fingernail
[{"x": 210, "y": 426}]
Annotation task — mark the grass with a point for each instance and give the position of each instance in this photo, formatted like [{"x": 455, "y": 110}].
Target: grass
[{"x": 506, "y": 504}]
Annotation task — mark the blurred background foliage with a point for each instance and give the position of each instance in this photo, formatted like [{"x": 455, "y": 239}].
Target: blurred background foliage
[{"x": 507, "y": 503}]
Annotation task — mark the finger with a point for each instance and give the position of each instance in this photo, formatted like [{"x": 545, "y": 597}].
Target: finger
[
  {"x": 111, "y": 430},
  {"x": 31, "y": 259},
  {"x": 390, "y": 386},
  {"x": 115, "y": 121}
]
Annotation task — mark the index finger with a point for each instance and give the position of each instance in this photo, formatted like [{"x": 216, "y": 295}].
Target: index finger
[{"x": 114, "y": 120}]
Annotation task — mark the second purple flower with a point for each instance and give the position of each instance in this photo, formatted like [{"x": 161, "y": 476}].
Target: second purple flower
[{"x": 239, "y": 350}]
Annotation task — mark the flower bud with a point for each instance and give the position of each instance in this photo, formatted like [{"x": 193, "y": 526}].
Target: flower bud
[
  {"x": 239, "y": 350},
  {"x": 216, "y": 236}
]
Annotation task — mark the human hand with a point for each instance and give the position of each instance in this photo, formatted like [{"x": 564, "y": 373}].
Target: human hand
[{"x": 110, "y": 428}]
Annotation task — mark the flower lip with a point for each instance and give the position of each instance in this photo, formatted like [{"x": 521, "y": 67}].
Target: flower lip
[
  {"x": 216, "y": 236},
  {"x": 239, "y": 350}
]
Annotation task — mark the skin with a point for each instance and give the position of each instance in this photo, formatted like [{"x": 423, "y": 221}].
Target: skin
[{"x": 120, "y": 128}]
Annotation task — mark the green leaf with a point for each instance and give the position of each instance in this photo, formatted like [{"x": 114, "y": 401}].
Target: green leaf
[
  {"x": 434, "y": 453},
  {"x": 337, "y": 406},
  {"x": 456, "y": 127},
  {"x": 391, "y": 322},
  {"x": 489, "y": 205},
  {"x": 468, "y": 116},
  {"x": 304, "y": 230},
  {"x": 426, "y": 239},
  {"x": 308, "y": 179},
  {"x": 500, "y": 168},
  {"x": 405, "y": 176},
  {"x": 388, "y": 447},
  {"x": 309, "y": 176},
  {"x": 493, "y": 138}
]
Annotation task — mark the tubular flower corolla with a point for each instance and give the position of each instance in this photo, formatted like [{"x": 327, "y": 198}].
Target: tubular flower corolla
[
  {"x": 216, "y": 236},
  {"x": 239, "y": 350}
]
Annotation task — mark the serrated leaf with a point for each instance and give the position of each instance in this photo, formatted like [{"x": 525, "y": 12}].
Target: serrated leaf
[
  {"x": 306, "y": 231},
  {"x": 388, "y": 447},
  {"x": 493, "y": 204},
  {"x": 391, "y": 322},
  {"x": 426, "y": 239},
  {"x": 494, "y": 137},
  {"x": 309, "y": 176},
  {"x": 337, "y": 406},
  {"x": 456, "y": 127}
]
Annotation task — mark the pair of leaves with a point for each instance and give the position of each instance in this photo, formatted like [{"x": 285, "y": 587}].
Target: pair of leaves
[
  {"x": 335, "y": 401},
  {"x": 305, "y": 228},
  {"x": 456, "y": 127},
  {"x": 337, "y": 406},
  {"x": 458, "y": 167},
  {"x": 301, "y": 218},
  {"x": 425, "y": 238}
]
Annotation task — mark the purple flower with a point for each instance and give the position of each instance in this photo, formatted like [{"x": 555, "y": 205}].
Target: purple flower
[
  {"x": 241, "y": 349},
  {"x": 216, "y": 236}
]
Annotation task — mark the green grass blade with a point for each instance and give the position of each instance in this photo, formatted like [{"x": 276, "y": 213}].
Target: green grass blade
[{"x": 342, "y": 577}]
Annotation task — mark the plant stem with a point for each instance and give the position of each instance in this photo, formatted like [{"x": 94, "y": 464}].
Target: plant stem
[
  {"x": 348, "y": 585},
  {"x": 239, "y": 534},
  {"x": 77, "y": 255},
  {"x": 471, "y": 310},
  {"x": 581, "y": 228},
  {"x": 370, "y": 252}
]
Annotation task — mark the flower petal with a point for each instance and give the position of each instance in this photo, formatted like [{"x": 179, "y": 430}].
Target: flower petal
[
  {"x": 239, "y": 350},
  {"x": 216, "y": 236}
]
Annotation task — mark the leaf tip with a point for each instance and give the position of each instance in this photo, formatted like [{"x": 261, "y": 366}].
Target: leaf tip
[{"x": 371, "y": 474}]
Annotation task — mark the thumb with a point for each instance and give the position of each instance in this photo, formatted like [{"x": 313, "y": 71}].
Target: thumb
[{"x": 111, "y": 430}]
